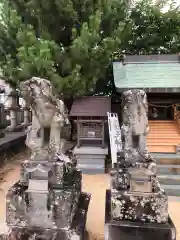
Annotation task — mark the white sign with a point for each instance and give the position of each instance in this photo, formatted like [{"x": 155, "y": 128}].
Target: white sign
[{"x": 91, "y": 134}]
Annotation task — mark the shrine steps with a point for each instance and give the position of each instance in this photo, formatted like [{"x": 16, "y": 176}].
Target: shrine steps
[
  {"x": 172, "y": 190},
  {"x": 169, "y": 176},
  {"x": 170, "y": 182},
  {"x": 168, "y": 172},
  {"x": 163, "y": 136},
  {"x": 162, "y": 148},
  {"x": 168, "y": 169},
  {"x": 169, "y": 179}
]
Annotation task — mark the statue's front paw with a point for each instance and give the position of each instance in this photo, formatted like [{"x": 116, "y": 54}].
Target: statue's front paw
[{"x": 152, "y": 167}]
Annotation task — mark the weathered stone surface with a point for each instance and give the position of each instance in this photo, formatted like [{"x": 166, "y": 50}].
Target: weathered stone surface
[
  {"x": 45, "y": 201},
  {"x": 76, "y": 231},
  {"x": 64, "y": 206},
  {"x": 59, "y": 174},
  {"x": 135, "y": 126},
  {"x": 135, "y": 230},
  {"x": 120, "y": 179},
  {"x": 135, "y": 192},
  {"x": 143, "y": 208},
  {"x": 53, "y": 208},
  {"x": 49, "y": 118}
]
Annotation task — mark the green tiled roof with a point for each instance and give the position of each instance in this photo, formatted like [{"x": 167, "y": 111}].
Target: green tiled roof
[{"x": 150, "y": 76}]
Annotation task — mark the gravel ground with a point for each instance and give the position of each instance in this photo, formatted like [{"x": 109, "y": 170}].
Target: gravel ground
[{"x": 94, "y": 184}]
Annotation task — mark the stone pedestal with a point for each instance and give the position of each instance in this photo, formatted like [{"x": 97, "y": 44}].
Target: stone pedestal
[
  {"x": 136, "y": 204},
  {"x": 54, "y": 209},
  {"x": 76, "y": 230},
  {"x": 132, "y": 200},
  {"x": 35, "y": 201},
  {"x": 135, "y": 230},
  {"x": 91, "y": 159}
]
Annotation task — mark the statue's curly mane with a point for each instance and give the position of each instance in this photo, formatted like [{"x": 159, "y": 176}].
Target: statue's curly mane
[
  {"x": 35, "y": 87},
  {"x": 42, "y": 97}
]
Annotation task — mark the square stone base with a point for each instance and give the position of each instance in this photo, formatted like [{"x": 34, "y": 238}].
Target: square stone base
[
  {"x": 152, "y": 208},
  {"x": 76, "y": 231},
  {"x": 127, "y": 230},
  {"x": 91, "y": 159},
  {"x": 56, "y": 208}
]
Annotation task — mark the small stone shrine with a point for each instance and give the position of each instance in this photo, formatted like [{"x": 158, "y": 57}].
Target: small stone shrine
[
  {"x": 89, "y": 113},
  {"x": 47, "y": 202},
  {"x": 136, "y": 205}
]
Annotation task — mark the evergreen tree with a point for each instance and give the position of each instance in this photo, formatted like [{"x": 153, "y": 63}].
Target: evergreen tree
[
  {"x": 70, "y": 42},
  {"x": 153, "y": 30}
]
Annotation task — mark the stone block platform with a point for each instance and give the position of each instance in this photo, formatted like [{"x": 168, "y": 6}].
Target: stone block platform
[
  {"x": 91, "y": 159},
  {"x": 128, "y": 230},
  {"x": 12, "y": 142},
  {"x": 11, "y": 138},
  {"x": 76, "y": 231}
]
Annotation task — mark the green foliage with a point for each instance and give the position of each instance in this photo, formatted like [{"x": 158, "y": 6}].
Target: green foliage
[
  {"x": 73, "y": 42},
  {"x": 70, "y": 42},
  {"x": 153, "y": 30}
]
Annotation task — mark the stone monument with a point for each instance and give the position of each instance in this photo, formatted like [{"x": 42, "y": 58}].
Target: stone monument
[
  {"x": 136, "y": 205},
  {"x": 47, "y": 202}
]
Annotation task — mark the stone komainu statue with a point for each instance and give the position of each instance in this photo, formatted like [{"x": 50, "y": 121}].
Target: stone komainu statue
[
  {"x": 45, "y": 202},
  {"x": 136, "y": 194},
  {"x": 135, "y": 125},
  {"x": 49, "y": 116}
]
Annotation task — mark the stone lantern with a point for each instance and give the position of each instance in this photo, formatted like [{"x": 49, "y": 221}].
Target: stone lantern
[{"x": 13, "y": 107}]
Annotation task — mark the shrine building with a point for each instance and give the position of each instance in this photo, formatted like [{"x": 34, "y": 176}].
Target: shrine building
[
  {"x": 159, "y": 77},
  {"x": 89, "y": 117}
]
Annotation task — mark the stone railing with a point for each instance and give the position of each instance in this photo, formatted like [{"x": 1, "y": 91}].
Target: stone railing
[{"x": 177, "y": 114}]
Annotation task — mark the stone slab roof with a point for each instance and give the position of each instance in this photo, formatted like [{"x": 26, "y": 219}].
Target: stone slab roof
[
  {"x": 93, "y": 106},
  {"x": 153, "y": 73}
]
